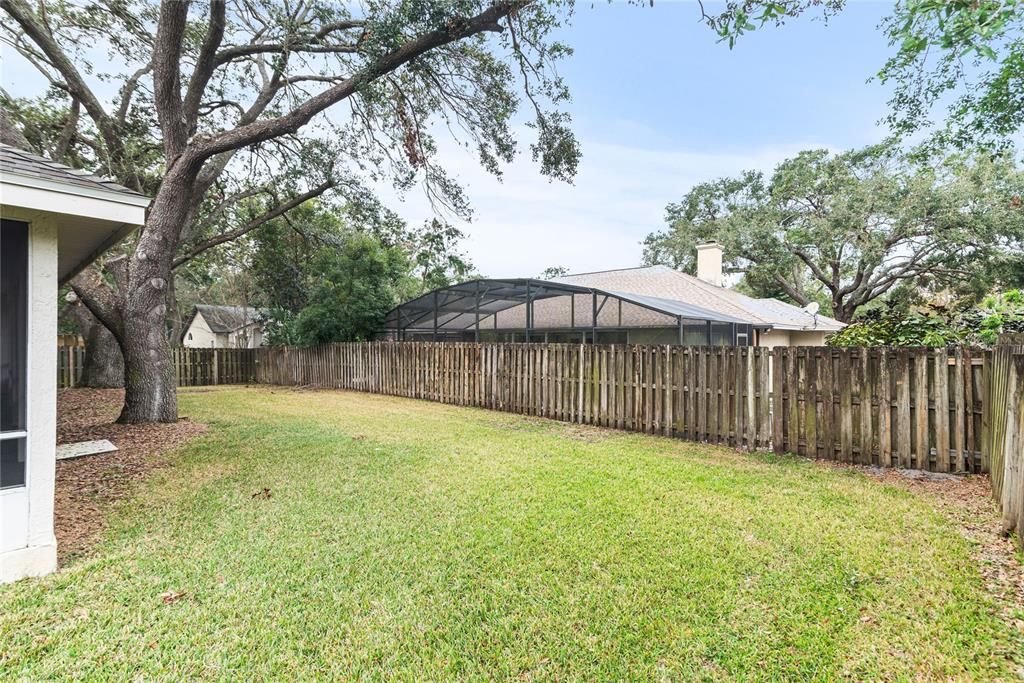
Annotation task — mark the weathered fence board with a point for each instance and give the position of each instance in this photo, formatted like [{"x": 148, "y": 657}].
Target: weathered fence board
[
  {"x": 1003, "y": 433},
  {"x": 915, "y": 408},
  {"x": 206, "y": 367},
  {"x": 192, "y": 367},
  {"x": 70, "y": 361}
]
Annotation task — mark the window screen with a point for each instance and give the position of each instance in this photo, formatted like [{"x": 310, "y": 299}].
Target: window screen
[{"x": 13, "y": 343}]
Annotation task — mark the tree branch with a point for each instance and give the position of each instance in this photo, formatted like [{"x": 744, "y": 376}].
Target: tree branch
[
  {"x": 789, "y": 289},
  {"x": 102, "y": 301},
  {"x": 230, "y": 235},
  {"x": 344, "y": 25},
  {"x": 170, "y": 32},
  {"x": 67, "y": 133},
  {"x": 222, "y": 206},
  {"x": 30, "y": 23},
  {"x": 260, "y": 131},
  {"x": 128, "y": 91},
  {"x": 205, "y": 64},
  {"x": 818, "y": 272},
  {"x": 235, "y": 51}
]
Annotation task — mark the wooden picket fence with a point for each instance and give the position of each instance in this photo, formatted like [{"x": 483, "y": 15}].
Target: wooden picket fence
[
  {"x": 70, "y": 360},
  {"x": 909, "y": 408},
  {"x": 207, "y": 367},
  {"x": 193, "y": 367},
  {"x": 1004, "y": 433},
  {"x": 918, "y": 408}
]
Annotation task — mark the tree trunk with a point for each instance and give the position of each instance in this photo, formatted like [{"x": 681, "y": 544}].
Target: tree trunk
[
  {"x": 150, "y": 384},
  {"x": 175, "y": 319},
  {"x": 841, "y": 311},
  {"x": 103, "y": 367}
]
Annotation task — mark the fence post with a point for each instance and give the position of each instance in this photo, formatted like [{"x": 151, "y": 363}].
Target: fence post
[
  {"x": 216, "y": 366},
  {"x": 778, "y": 372}
]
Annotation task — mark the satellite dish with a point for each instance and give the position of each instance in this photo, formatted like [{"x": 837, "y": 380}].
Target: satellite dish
[{"x": 812, "y": 308}]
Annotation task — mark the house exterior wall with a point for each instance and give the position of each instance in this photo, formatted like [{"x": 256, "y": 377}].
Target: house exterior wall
[
  {"x": 773, "y": 338},
  {"x": 28, "y": 546},
  {"x": 249, "y": 337},
  {"x": 807, "y": 338},
  {"x": 200, "y": 336}
]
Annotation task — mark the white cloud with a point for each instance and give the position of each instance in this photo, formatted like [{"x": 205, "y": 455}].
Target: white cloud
[{"x": 526, "y": 223}]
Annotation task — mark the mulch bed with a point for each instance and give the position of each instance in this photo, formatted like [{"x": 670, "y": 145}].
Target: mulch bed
[{"x": 89, "y": 486}]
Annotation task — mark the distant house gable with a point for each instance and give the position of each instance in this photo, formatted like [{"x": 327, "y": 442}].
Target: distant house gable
[{"x": 223, "y": 327}]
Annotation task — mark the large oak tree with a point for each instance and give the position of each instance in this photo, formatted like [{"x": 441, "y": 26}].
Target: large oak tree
[
  {"x": 851, "y": 227},
  {"x": 222, "y": 102}
]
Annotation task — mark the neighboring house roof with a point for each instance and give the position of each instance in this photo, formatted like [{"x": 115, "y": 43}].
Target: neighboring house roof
[
  {"x": 19, "y": 162},
  {"x": 225, "y": 319},
  {"x": 665, "y": 283}
]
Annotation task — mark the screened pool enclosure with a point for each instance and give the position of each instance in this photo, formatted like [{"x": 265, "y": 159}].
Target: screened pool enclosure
[{"x": 528, "y": 310}]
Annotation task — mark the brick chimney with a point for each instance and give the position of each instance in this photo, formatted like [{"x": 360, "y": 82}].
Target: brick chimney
[{"x": 709, "y": 263}]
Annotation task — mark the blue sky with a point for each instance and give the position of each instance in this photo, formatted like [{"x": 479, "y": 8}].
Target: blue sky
[
  {"x": 659, "y": 105},
  {"x": 661, "y": 70}
]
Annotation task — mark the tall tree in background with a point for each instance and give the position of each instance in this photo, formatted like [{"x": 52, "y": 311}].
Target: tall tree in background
[
  {"x": 102, "y": 362},
  {"x": 964, "y": 55},
  {"x": 212, "y": 99},
  {"x": 294, "y": 265},
  {"x": 853, "y": 226},
  {"x": 436, "y": 257},
  {"x": 353, "y": 288}
]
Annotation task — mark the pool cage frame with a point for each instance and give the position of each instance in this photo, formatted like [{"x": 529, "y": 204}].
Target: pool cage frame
[{"x": 469, "y": 311}]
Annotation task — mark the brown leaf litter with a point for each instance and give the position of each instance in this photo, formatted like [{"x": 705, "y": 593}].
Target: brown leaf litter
[{"x": 89, "y": 486}]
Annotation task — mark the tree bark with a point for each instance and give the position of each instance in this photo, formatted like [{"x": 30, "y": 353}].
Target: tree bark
[
  {"x": 103, "y": 366},
  {"x": 150, "y": 383}
]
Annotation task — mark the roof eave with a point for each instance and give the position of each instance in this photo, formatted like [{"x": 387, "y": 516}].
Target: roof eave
[
  {"x": 131, "y": 199},
  {"x": 122, "y": 232}
]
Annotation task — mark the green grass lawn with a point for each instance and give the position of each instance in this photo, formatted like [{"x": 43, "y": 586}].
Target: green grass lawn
[{"x": 409, "y": 540}]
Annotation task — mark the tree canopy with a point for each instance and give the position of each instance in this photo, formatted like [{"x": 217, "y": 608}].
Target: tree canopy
[
  {"x": 221, "y": 106},
  {"x": 846, "y": 229},
  {"x": 305, "y": 271},
  {"x": 352, "y": 290},
  {"x": 938, "y": 325}
]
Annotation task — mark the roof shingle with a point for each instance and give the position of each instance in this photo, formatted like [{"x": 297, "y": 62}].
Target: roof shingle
[
  {"x": 665, "y": 283},
  {"x": 222, "y": 319},
  {"x": 19, "y": 162}
]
